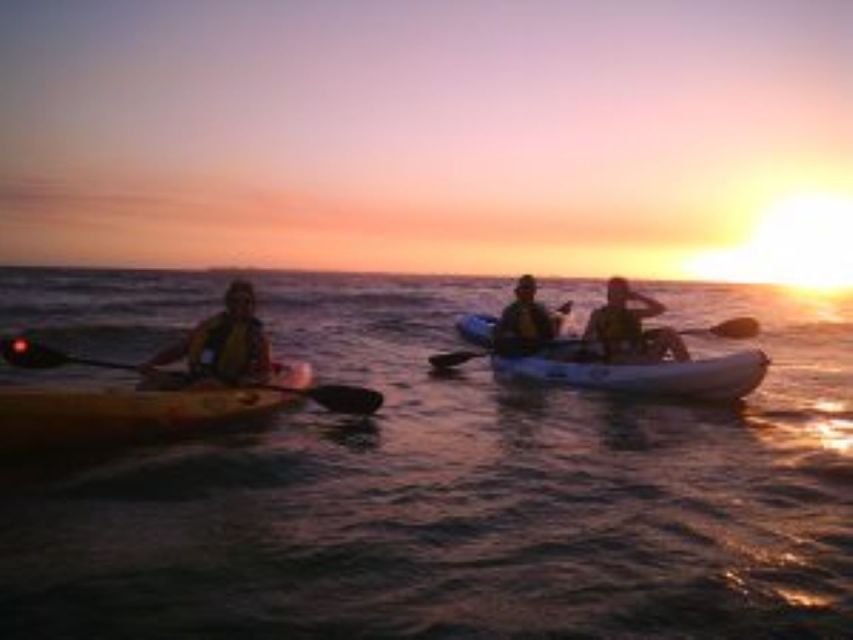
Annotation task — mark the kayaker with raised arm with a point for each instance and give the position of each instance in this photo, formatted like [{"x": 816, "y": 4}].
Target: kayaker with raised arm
[
  {"x": 526, "y": 324},
  {"x": 228, "y": 349},
  {"x": 618, "y": 328}
]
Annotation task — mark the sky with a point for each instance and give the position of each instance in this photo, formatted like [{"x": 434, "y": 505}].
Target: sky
[{"x": 561, "y": 137}]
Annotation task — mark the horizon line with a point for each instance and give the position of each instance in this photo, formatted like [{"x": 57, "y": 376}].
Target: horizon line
[{"x": 421, "y": 274}]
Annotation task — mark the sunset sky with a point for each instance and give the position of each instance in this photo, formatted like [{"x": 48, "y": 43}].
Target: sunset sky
[{"x": 649, "y": 138}]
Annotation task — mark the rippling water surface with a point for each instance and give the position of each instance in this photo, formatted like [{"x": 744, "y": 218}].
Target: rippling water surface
[{"x": 465, "y": 508}]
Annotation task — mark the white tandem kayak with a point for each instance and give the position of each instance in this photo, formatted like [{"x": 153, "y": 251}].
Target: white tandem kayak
[{"x": 723, "y": 378}]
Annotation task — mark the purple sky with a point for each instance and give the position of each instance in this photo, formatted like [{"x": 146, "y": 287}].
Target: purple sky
[{"x": 475, "y": 136}]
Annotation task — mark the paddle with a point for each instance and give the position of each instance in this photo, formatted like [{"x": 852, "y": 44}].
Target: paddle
[
  {"x": 510, "y": 348},
  {"x": 448, "y": 360},
  {"x": 20, "y": 352},
  {"x": 736, "y": 328}
]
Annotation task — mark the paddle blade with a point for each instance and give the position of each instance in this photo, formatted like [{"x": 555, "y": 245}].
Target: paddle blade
[
  {"x": 737, "y": 328},
  {"x": 346, "y": 399},
  {"x": 447, "y": 360},
  {"x": 20, "y": 352}
]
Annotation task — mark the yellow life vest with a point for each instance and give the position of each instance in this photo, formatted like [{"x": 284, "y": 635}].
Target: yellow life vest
[
  {"x": 527, "y": 328},
  {"x": 527, "y": 321},
  {"x": 222, "y": 347},
  {"x": 619, "y": 326}
]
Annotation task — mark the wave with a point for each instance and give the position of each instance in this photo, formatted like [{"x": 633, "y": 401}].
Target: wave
[
  {"x": 337, "y": 299},
  {"x": 101, "y": 334},
  {"x": 196, "y": 470},
  {"x": 812, "y": 330},
  {"x": 828, "y": 467},
  {"x": 803, "y": 415},
  {"x": 139, "y": 306}
]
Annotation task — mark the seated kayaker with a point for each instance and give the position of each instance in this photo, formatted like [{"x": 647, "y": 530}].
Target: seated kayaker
[
  {"x": 228, "y": 349},
  {"x": 619, "y": 328},
  {"x": 525, "y": 325}
]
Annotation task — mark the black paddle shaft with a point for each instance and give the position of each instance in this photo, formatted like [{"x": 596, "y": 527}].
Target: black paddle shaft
[{"x": 20, "y": 352}]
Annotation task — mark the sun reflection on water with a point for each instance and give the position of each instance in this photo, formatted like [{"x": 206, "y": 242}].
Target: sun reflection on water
[
  {"x": 748, "y": 584},
  {"x": 831, "y": 429},
  {"x": 803, "y": 599},
  {"x": 834, "y": 434}
]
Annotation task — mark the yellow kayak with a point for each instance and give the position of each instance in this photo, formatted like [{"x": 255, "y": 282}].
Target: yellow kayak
[{"x": 37, "y": 418}]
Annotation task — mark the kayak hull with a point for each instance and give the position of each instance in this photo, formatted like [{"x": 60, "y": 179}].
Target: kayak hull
[
  {"x": 726, "y": 378},
  {"x": 37, "y": 418}
]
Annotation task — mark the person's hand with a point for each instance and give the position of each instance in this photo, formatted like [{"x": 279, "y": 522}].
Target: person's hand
[{"x": 635, "y": 295}]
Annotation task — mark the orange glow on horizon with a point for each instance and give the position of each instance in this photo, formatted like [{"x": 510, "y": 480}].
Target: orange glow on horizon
[
  {"x": 477, "y": 138},
  {"x": 803, "y": 241}
]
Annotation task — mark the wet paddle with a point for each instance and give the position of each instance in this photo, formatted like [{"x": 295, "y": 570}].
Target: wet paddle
[
  {"x": 511, "y": 348},
  {"x": 20, "y": 352},
  {"x": 736, "y": 328},
  {"x": 448, "y": 360}
]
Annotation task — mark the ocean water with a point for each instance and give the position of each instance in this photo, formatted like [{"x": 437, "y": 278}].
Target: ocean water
[{"x": 466, "y": 508}]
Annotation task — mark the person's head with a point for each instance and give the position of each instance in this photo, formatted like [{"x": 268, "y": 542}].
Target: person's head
[
  {"x": 618, "y": 291},
  {"x": 525, "y": 288},
  {"x": 240, "y": 298}
]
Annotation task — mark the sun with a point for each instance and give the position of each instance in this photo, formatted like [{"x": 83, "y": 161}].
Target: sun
[{"x": 803, "y": 241}]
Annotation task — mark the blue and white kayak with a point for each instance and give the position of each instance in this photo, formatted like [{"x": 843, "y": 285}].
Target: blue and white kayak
[
  {"x": 723, "y": 378},
  {"x": 477, "y": 328}
]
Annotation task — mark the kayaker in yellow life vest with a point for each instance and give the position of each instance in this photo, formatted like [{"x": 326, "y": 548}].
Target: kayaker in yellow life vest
[
  {"x": 526, "y": 324},
  {"x": 228, "y": 349},
  {"x": 619, "y": 330}
]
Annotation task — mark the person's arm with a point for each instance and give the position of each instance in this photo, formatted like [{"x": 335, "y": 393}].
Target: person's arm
[
  {"x": 590, "y": 334},
  {"x": 559, "y": 317},
  {"x": 651, "y": 309},
  {"x": 168, "y": 355}
]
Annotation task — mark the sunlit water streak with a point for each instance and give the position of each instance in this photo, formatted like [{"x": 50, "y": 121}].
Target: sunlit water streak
[{"x": 466, "y": 508}]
